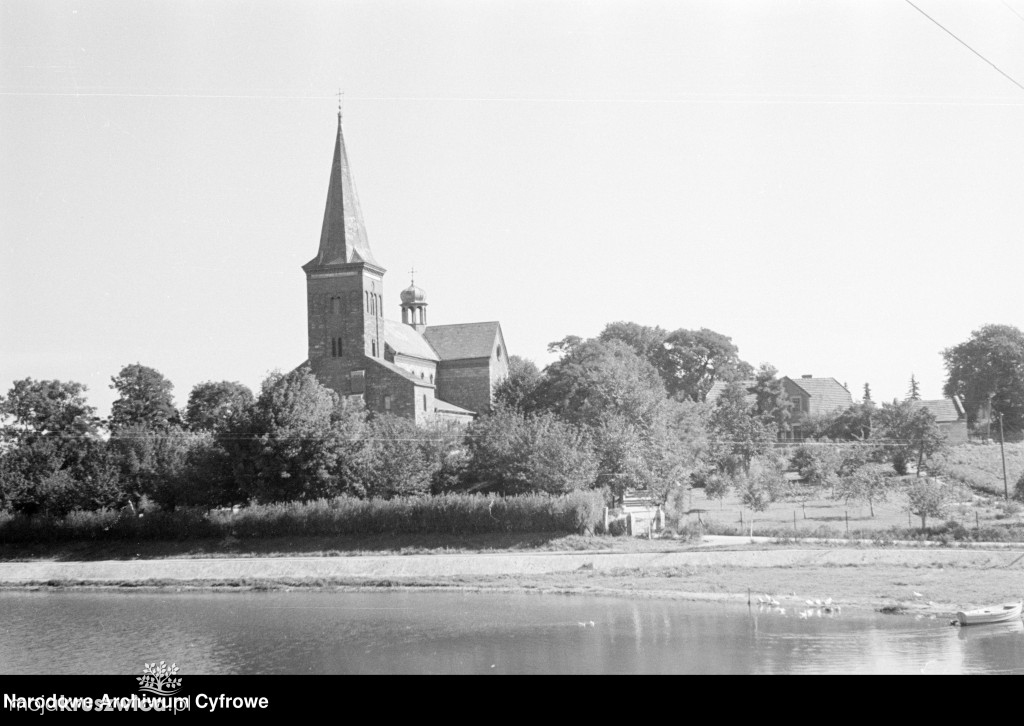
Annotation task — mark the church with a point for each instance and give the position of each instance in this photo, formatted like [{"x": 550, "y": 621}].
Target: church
[{"x": 425, "y": 373}]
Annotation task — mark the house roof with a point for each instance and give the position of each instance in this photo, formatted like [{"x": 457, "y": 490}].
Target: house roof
[
  {"x": 718, "y": 386},
  {"x": 400, "y": 371},
  {"x": 406, "y": 340},
  {"x": 446, "y": 407},
  {"x": 828, "y": 393},
  {"x": 944, "y": 409},
  {"x": 467, "y": 340}
]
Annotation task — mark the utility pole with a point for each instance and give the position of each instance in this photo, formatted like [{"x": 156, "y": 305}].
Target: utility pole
[{"x": 1002, "y": 453}]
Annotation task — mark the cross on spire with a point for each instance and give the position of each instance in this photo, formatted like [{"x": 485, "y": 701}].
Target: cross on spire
[
  {"x": 412, "y": 276},
  {"x": 341, "y": 96}
]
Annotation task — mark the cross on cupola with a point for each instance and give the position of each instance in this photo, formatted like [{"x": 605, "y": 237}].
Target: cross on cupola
[{"x": 414, "y": 304}]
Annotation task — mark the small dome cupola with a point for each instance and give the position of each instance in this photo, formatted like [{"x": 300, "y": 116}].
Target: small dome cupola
[
  {"x": 413, "y": 294},
  {"x": 414, "y": 305}
]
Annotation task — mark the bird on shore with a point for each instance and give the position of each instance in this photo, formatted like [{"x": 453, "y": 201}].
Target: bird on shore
[{"x": 917, "y": 594}]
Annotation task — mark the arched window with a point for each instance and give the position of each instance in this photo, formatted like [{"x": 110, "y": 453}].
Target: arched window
[
  {"x": 424, "y": 402},
  {"x": 498, "y": 352},
  {"x": 367, "y": 293},
  {"x": 334, "y": 350},
  {"x": 431, "y": 377}
]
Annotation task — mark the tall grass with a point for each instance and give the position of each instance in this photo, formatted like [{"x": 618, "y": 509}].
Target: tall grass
[
  {"x": 455, "y": 514},
  {"x": 980, "y": 466}
]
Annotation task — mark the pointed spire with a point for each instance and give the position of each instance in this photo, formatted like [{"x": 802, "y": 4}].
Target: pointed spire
[{"x": 343, "y": 238}]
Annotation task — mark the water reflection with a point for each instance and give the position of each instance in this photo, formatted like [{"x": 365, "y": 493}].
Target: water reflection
[{"x": 395, "y": 632}]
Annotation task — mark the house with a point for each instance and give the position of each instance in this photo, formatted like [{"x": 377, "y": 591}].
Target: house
[
  {"x": 949, "y": 415},
  {"x": 409, "y": 369},
  {"x": 808, "y": 395},
  {"x": 812, "y": 397}
]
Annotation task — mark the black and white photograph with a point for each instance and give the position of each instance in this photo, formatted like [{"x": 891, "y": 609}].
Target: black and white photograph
[{"x": 506, "y": 337}]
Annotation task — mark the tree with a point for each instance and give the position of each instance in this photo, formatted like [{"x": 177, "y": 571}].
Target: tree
[
  {"x": 675, "y": 448},
  {"x": 866, "y": 484},
  {"x": 509, "y": 453},
  {"x": 818, "y": 464},
  {"x": 867, "y": 393},
  {"x": 211, "y": 405},
  {"x": 692, "y": 360},
  {"x": 47, "y": 408},
  {"x": 914, "y": 392},
  {"x": 738, "y": 435},
  {"x": 619, "y": 452},
  {"x": 716, "y": 486},
  {"x": 908, "y": 431},
  {"x": 771, "y": 402},
  {"x": 516, "y": 391},
  {"x": 594, "y": 379},
  {"x": 646, "y": 341},
  {"x": 399, "y": 458},
  {"x": 927, "y": 498},
  {"x": 987, "y": 372},
  {"x": 52, "y": 458},
  {"x": 758, "y": 487},
  {"x": 298, "y": 442},
  {"x": 144, "y": 399}
]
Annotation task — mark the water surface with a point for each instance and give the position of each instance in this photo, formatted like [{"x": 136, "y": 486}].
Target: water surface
[{"x": 428, "y": 632}]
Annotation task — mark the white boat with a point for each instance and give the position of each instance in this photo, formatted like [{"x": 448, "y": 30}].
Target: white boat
[{"x": 995, "y": 614}]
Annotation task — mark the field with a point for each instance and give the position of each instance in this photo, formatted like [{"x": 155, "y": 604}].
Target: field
[
  {"x": 980, "y": 466},
  {"x": 972, "y": 471}
]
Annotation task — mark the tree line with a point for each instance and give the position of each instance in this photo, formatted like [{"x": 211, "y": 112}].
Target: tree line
[{"x": 625, "y": 410}]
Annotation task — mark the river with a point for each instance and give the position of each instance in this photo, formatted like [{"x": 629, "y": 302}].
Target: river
[{"x": 76, "y": 632}]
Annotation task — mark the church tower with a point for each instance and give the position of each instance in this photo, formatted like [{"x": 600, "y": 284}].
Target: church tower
[{"x": 344, "y": 287}]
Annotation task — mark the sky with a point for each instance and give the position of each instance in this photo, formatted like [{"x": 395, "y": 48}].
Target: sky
[{"x": 837, "y": 186}]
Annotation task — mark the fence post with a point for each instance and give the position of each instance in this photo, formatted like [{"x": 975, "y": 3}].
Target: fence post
[
  {"x": 794, "y": 520},
  {"x": 629, "y": 524},
  {"x": 847, "y": 513},
  {"x": 606, "y": 523}
]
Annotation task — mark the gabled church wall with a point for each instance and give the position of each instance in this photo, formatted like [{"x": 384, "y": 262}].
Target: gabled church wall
[{"x": 466, "y": 383}]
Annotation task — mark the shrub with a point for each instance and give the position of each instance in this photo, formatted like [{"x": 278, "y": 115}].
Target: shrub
[
  {"x": 456, "y": 514},
  {"x": 1018, "y": 489}
]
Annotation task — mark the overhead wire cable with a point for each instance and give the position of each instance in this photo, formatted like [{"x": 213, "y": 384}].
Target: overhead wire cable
[{"x": 965, "y": 45}]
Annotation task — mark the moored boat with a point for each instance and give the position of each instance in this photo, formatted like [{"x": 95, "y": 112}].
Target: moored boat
[{"x": 994, "y": 614}]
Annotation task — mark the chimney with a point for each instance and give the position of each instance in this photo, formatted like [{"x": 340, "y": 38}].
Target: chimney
[{"x": 807, "y": 375}]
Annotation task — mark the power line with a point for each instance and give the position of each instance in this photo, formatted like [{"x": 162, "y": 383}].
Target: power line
[
  {"x": 964, "y": 44},
  {"x": 1012, "y": 10}
]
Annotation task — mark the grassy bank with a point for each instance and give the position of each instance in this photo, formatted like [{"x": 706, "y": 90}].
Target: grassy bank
[
  {"x": 304, "y": 546},
  {"x": 932, "y": 584}
]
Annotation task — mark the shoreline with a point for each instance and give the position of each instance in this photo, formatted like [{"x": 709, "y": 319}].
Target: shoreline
[{"x": 927, "y": 582}]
